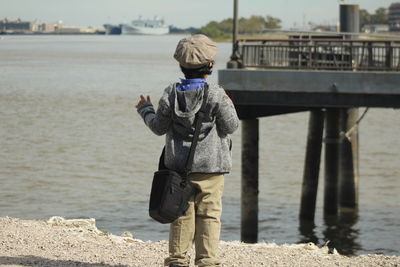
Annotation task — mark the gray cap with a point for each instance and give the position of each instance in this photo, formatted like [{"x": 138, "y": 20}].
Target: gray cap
[{"x": 195, "y": 51}]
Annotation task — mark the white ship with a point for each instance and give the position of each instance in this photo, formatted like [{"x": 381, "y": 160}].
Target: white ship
[{"x": 149, "y": 27}]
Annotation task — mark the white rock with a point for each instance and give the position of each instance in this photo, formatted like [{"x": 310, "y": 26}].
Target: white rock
[
  {"x": 310, "y": 246},
  {"x": 127, "y": 234},
  {"x": 88, "y": 224}
]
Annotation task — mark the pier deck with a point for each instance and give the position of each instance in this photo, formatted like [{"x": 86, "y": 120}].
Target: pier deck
[
  {"x": 258, "y": 93},
  {"x": 279, "y": 76}
]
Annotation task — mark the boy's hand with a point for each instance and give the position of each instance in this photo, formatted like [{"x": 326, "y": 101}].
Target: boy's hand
[{"x": 143, "y": 101}]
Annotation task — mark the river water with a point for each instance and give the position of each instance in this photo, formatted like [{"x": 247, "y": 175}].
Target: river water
[{"x": 73, "y": 145}]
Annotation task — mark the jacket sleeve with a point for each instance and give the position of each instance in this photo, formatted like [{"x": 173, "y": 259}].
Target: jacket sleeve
[
  {"x": 160, "y": 121},
  {"x": 226, "y": 117}
]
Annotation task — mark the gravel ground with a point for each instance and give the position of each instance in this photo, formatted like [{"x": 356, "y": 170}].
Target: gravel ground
[{"x": 60, "y": 242}]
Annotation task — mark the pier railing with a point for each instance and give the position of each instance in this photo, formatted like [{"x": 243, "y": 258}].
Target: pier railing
[{"x": 321, "y": 54}]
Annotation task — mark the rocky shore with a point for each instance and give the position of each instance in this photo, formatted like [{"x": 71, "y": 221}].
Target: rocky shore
[{"x": 60, "y": 242}]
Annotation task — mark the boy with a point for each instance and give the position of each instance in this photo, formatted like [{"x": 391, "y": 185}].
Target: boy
[{"x": 175, "y": 117}]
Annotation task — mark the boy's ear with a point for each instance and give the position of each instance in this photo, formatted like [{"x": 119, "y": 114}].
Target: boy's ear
[{"x": 210, "y": 64}]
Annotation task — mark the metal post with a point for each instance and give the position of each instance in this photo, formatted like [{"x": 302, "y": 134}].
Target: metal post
[
  {"x": 235, "y": 29},
  {"x": 370, "y": 55},
  {"x": 233, "y": 63},
  {"x": 348, "y": 151},
  {"x": 389, "y": 55},
  {"x": 332, "y": 140},
  {"x": 249, "y": 198},
  {"x": 312, "y": 165}
]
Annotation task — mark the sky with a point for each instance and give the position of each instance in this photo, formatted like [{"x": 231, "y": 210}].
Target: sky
[{"x": 180, "y": 13}]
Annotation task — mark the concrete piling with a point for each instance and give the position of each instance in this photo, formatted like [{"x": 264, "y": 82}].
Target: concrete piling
[
  {"x": 249, "y": 194},
  {"x": 312, "y": 165},
  {"x": 332, "y": 143},
  {"x": 348, "y": 160}
]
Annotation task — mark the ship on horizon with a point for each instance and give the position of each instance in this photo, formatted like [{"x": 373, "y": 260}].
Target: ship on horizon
[
  {"x": 154, "y": 26},
  {"x": 112, "y": 29}
]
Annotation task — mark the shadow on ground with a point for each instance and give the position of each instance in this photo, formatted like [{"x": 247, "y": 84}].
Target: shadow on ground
[{"x": 39, "y": 261}]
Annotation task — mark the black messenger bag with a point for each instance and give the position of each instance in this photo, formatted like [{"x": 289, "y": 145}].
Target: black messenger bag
[
  {"x": 170, "y": 190},
  {"x": 169, "y": 198}
]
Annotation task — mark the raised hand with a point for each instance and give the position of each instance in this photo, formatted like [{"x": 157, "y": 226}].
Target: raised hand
[{"x": 143, "y": 100}]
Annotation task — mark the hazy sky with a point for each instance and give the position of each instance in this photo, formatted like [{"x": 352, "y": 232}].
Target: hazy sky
[{"x": 181, "y": 13}]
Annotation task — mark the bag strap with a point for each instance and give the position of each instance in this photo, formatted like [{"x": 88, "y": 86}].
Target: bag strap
[{"x": 198, "y": 120}]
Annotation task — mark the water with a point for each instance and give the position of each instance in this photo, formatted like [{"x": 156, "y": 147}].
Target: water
[{"x": 73, "y": 145}]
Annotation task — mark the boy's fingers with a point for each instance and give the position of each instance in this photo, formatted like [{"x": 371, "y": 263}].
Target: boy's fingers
[{"x": 143, "y": 100}]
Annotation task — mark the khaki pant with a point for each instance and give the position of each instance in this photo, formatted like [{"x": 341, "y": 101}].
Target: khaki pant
[{"x": 200, "y": 225}]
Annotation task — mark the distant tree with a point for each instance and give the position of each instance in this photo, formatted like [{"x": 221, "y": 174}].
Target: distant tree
[
  {"x": 253, "y": 25},
  {"x": 380, "y": 17},
  {"x": 365, "y": 17},
  {"x": 272, "y": 23},
  {"x": 226, "y": 25},
  {"x": 213, "y": 30}
]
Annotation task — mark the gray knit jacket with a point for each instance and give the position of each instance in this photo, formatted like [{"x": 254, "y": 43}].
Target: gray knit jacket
[{"x": 175, "y": 117}]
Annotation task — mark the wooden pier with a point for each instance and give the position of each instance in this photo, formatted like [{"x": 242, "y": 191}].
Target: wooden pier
[{"x": 331, "y": 78}]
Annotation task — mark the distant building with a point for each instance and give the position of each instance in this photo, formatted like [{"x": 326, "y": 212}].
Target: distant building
[
  {"x": 394, "y": 17},
  {"x": 15, "y": 26},
  {"x": 75, "y": 30},
  {"x": 35, "y": 27},
  {"x": 89, "y": 30},
  {"x": 50, "y": 27},
  {"x": 68, "y": 30},
  {"x": 368, "y": 28},
  {"x": 19, "y": 26}
]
